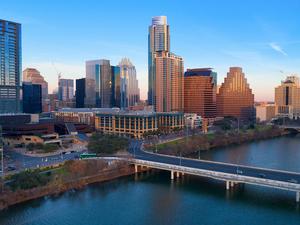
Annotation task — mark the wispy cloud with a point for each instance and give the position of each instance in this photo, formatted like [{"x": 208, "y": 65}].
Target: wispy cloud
[{"x": 277, "y": 48}]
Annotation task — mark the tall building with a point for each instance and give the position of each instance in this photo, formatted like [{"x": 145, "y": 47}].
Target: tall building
[
  {"x": 10, "y": 67},
  {"x": 80, "y": 93},
  {"x": 65, "y": 89},
  {"x": 235, "y": 97},
  {"x": 200, "y": 92},
  {"x": 116, "y": 86},
  {"x": 287, "y": 98},
  {"x": 129, "y": 88},
  {"x": 168, "y": 82},
  {"x": 32, "y": 97},
  {"x": 165, "y": 69},
  {"x": 99, "y": 83},
  {"x": 158, "y": 41},
  {"x": 34, "y": 76}
]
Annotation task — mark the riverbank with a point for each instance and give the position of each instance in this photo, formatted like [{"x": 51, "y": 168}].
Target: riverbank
[
  {"x": 188, "y": 146},
  {"x": 71, "y": 175}
]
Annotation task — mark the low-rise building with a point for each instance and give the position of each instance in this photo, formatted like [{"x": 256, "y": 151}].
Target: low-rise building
[
  {"x": 265, "y": 112},
  {"x": 136, "y": 124},
  {"x": 192, "y": 120}
]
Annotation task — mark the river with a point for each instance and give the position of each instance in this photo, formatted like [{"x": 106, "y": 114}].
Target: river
[{"x": 152, "y": 198}]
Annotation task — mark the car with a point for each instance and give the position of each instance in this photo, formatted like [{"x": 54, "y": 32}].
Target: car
[
  {"x": 262, "y": 175},
  {"x": 293, "y": 181}
]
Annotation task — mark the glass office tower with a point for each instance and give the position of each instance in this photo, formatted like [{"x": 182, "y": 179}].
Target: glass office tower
[
  {"x": 32, "y": 97},
  {"x": 10, "y": 67}
]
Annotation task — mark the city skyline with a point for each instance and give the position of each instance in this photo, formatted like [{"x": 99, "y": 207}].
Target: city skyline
[{"x": 261, "y": 42}]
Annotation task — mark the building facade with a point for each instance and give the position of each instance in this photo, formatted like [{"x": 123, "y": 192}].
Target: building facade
[
  {"x": 200, "y": 86},
  {"x": 136, "y": 124},
  {"x": 287, "y": 98},
  {"x": 235, "y": 97},
  {"x": 65, "y": 89},
  {"x": 265, "y": 112},
  {"x": 98, "y": 74},
  {"x": 80, "y": 92},
  {"x": 10, "y": 67},
  {"x": 32, "y": 97}
]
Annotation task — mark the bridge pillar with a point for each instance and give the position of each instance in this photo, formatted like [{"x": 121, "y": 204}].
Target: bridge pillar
[
  {"x": 227, "y": 184},
  {"x": 297, "y": 196},
  {"x": 172, "y": 175},
  {"x": 135, "y": 168},
  {"x": 232, "y": 184},
  {"x": 177, "y": 174}
]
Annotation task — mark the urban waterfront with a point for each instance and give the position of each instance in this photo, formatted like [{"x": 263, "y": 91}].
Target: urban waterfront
[{"x": 152, "y": 198}]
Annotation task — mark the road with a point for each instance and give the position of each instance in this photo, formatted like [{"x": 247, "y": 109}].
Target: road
[
  {"x": 21, "y": 162},
  {"x": 285, "y": 176}
]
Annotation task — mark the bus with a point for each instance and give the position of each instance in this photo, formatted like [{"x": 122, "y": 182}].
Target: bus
[{"x": 87, "y": 155}]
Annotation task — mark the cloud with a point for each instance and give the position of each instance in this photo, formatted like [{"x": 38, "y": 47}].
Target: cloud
[{"x": 277, "y": 48}]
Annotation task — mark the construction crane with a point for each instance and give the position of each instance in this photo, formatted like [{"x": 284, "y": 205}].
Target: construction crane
[{"x": 57, "y": 72}]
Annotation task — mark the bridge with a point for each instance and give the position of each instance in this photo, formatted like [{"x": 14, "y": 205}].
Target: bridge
[{"x": 231, "y": 174}]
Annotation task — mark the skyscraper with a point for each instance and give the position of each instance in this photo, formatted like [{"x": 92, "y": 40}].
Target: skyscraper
[
  {"x": 287, "y": 98},
  {"x": 65, "y": 89},
  {"x": 200, "y": 92},
  {"x": 235, "y": 97},
  {"x": 33, "y": 75},
  {"x": 80, "y": 93},
  {"x": 10, "y": 66},
  {"x": 99, "y": 92},
  {"x": 158, "y": 40},
  {"x": 129, "y": 89},
  {"x": 116, "y": 86},
  {"x": 165, "y": 69},
  {"x": 32, "y": 97}
]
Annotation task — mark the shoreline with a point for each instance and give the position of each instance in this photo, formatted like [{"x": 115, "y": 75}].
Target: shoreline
[{"x": 11, "y": 198}]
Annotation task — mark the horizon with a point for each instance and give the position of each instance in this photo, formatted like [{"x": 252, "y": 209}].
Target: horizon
[{"x": 262, "y": 42}]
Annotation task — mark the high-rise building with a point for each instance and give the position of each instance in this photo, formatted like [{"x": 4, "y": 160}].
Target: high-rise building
[
  {"x": 116, "y": 86},
  {"x": 235, "y": 97},
  {"x": 99, "y": 83},
  {"x": 168, "y": 82},
  {"x": 129, "y": 88},
  {"x": 200, "y": 92},
  {"x": 65, "y": 89},
  {"x": 10, "y": 67},
  {"x": 287, "y": 98},
  {"x": 80, "y": 93},
  {"x": 32, "y": 97},
  {"x": 158, "y": 40},
  {"x": 165, "y": 69},
  {"x": 34, "y": 76}
]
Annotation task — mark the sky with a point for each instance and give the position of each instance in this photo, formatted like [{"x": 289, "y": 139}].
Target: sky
[{"x": 262, "y": 37}]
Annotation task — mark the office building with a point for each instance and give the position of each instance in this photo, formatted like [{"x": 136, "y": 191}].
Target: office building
[
  {"x": 80, "y": 93},
  {"x": 34, "y": 76},
  {"x": 99, "y": 83},
  {"x": 200, "y": 86},
  {"x": 287, "y": 98},
  {"x": 235, "y": 97},
  {"x": 129, "y": 89},
  {"x": 136, "y": 124},
  {"x": 117, "y": 93},
  {"x": 165, "y": 69},
  {"x": 32, "y": 97},
  {"x": 65, "y": 89},
  {"x": 10, "y": 67}
]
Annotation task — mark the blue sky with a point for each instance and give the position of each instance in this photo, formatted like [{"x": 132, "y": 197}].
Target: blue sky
[{"x": 263, "y": 37}]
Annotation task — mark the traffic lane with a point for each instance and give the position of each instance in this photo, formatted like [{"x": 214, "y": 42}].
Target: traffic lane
[{"x": 245, "y": 171}]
